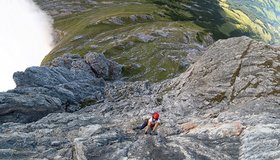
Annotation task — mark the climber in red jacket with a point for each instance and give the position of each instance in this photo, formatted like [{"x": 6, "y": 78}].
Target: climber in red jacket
[{"x": 150, "y": 124}]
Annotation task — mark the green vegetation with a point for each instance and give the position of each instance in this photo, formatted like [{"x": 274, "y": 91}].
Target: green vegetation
[
  {"x": 153, "y": 38},
  {"x": 209, "y": 15},
  {"x": 267, "y": 12},
  {"x": 147, "y": 42},
  {"x": 87, "y": 102},
  {"x": 218, "y": 98}
]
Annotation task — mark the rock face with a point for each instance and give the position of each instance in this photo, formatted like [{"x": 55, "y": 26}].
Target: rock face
[
  {"x": 67, "y": 85},
  {"x": 27, "y": 108},
  {"x": 231, "y": 96},
  {"x": 225, "y": 106},
  {"x": 42, "y": 76}
]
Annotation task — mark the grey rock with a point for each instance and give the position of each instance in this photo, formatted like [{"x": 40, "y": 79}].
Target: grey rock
[
  {"x": 71, "y": 87},
  {"x": 265, "y": 137},
  {"x": 57, "y": 35},
  {"x": 65, "y": 95},
  {"x": 146, "y": 17},
  {"x": 231, "y": 77},
  {"x": 222, "y": 87},
  {"x": 77, "y": 37},
  {"x": 145, "y": 38},
  {"x": 116, "y": 20},
  {"x": 73, "y": 62},
  {"x": 62, "y": 8},
  {"x": 225, "y": 106},
  {"x": 43, "y": 76},
  {"x": 55, "y": 143},
  {"x": 65, "y": 60},
  {"x": 162, "y": 33},
  {"x": 82, "y": 89},
  {"x": 103, "y": 67},
  {"x": 81, "y": 69},
  {"x": 26, "y": 108},
  {"x": 133, "y": 18},
  {"x": 69, "y": 80},
  {"x": 94, "y": 46}
]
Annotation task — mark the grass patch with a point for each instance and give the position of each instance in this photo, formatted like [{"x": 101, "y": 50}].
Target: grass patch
[
  {"x": 86, "y": 23},
  {"x": 218, "y": 98},
  {"x": 141, "y": 60},
  {"x": 87, "y": 102}
]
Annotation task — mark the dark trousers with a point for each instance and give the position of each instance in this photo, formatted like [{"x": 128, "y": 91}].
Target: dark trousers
[{"x": 145, "y": 123}]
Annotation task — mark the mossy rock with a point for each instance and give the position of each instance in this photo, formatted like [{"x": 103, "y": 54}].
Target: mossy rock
[{"x": 87, "y": 102}]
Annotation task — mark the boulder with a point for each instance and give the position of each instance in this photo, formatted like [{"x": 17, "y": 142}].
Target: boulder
[{"x": 102, "y": 67}]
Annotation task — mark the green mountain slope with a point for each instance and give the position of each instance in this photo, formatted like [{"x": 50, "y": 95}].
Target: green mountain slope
[
  {"x": 153, "y": 39},
  {"x": 265, "y": 13},
  {"x": 148, "y": 43},
  {"x": 229, "y": 18}
]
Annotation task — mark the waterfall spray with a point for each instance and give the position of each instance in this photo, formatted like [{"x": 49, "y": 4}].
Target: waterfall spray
[{"x": 26, "y": 37}]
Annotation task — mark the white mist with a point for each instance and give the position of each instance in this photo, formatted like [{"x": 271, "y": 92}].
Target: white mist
[{"x": 25, "y": 38}]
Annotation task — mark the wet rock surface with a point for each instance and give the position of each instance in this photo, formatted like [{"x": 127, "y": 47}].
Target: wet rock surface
[{"x": 225, "y": 106}]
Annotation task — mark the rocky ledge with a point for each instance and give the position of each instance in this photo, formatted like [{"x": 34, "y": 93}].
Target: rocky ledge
[
  {"x": 225, "y": 106},
  {"x": 68, "y": 84}
]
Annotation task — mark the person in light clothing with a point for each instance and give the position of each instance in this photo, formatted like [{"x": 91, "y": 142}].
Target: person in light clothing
[{"x": 151, "y": 124}]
